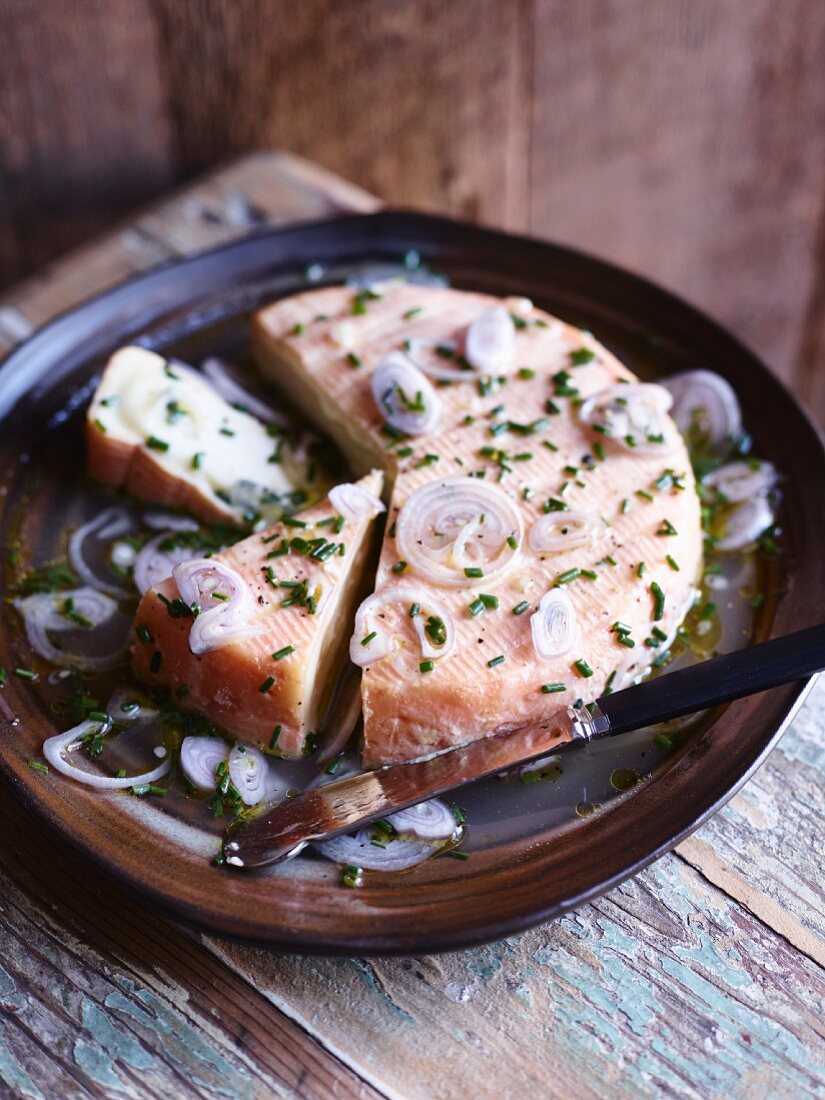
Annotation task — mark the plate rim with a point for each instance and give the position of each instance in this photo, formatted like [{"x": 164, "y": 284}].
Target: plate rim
[{"x": 378, "y": 225}]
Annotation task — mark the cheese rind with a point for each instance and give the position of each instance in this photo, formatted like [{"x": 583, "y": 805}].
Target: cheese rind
[
  {"x": 243, "y": 685},
  {"x": 524, "y": 434}
]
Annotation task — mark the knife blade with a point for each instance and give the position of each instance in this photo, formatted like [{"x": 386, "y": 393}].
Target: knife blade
[{"x": 347, "y": 804}]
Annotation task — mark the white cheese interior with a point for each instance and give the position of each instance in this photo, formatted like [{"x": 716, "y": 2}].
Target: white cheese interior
[{"x": 198, "y": 437}]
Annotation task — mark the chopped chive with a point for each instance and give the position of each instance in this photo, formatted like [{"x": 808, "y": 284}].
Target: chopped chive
[
  {"x": 663, "y": 741},
  {"x": 227, "y": 431},
  {"x": 38, "y": 767},
  {"x": 266, "y": 685},
  {"x": 3, "y": 676},
  {"x": 658, "y": 600},
  {"x": 156, "y": 444},
  {"x": 624, "y": 507},
  {"x": 667, "y": 528},
  {"x": 476, "y": 607},
  {"x": 273, "y": 741},
  {"x": 526, "y": 373},
  {"x": 156, "y": 661},
  {"x": 415, "y": 609},
  {"x": 581, "y": 356},
  {"x": 369, "y": 637},
  {"x": 454, "y": 854},
  {"x": 197, "y": 460},
  {"x": 520, "y": 608},
  {"x": 291, "y": 521},
  {"x": 473, "y": 571},
  {"x": 552, "y": 689},
  {"x": 297, "y": 329},
  {"x": 640, "y": 569},
  {"x": 426, "y": 666},
  {"x": 490, "y": 602},
  {"x": 512, "y": 542},
  {"x": 353, "y": 359},
  {"x": 568, "y": 575},
  {"x": 671, "y": 561},
  {"x": 399, "y": 567},
  {"x": 583, "y": 668},
  {"x": 281, "y": 653},
  {"x": 553, "y": 504},
  {"x": 414, "y": 312},
  {"x": 496, "y": 661},
  {"x": 101, "y": 427}
]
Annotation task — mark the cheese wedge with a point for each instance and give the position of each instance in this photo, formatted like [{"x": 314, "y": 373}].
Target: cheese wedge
[
  {"x": 161, "y": 432},
  {"x": 305, "y": 577},
  {"x": 530, "y": 432}
]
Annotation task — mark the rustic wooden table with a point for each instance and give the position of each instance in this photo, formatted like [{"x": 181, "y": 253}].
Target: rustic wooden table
[{"x": 701, "y": 977}]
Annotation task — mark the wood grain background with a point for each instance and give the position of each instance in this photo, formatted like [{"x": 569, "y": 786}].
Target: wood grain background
[{"x": 683, "y": 138}]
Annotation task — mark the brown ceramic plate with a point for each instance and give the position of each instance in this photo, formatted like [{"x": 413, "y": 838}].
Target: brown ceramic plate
[{"x": 524, "y": 870}]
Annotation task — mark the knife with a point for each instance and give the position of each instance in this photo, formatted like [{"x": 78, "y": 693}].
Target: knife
[{"x": 347, "y": 804}]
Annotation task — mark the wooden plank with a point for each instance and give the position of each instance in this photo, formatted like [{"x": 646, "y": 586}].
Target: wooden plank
[
  {"x": 262, "y": 188},
  {"x": 688, "y": 142},
  {"x": 764, "y": 848},
  {"x": 224, "y": 205},
  {"x": 102, "y": 997},
  {"x": 664, "y": 987},
  {"x": 423, "y": 104},
  {"x": 84, "y": 131}
]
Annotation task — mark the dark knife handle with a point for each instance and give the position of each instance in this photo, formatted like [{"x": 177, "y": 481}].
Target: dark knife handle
[
  {"x": 721, "y": 680},
  {"x": 347, "y": 804}
]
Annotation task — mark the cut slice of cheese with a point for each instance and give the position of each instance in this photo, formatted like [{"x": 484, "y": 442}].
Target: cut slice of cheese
[
  {"x": 160, "y": 431},
  {"x": 305, "y": 577},
  {"x": 558, "y": 426}
]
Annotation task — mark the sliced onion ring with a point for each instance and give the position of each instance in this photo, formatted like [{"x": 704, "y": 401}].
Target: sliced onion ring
[
  {"x": 397, "y": 384},
  {"x": 169, "y": 521},
  {"x": 490, "y": 343},
  {"x": 153, "y": 564},
  {"x": 199, "y": 759},
  {"x": 135, "y": 710},
  {"x": 705, "y": 401},
  {"x": 104, "y": 527},
  {"x": 359, "y": 851},
  {"x": 42, "y": 613},
  {"x": 431, "y": 537},
  {"x": 738, "y": 481},
  {"x": 559, "y": 531},
  {"x": 227, "y": 380},
  {"x": 401, "y": 596},
  {"x": 431, "y": 820},
  {"x": 634, "y": 416},
  {"x": 745, "y": 523},
  {"x": 56, "y": 751},
  {"x": 249, "y": 772},
  {"x": 354, "y": 503},
  {"x": 426, "y": 357},
  {"x": 554, "y": 625},
  {"x": 220, "y": 622}
]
